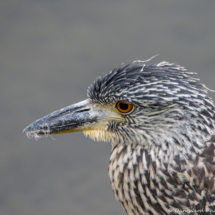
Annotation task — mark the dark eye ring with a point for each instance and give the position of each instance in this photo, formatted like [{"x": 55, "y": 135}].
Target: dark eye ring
[{"x": 124, "y": 107}]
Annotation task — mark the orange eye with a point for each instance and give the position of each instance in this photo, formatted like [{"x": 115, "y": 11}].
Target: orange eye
[{"x": 124, "y": 107}]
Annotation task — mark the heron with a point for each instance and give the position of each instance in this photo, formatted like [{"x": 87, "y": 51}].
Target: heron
[{"x": 160, "y": 122}]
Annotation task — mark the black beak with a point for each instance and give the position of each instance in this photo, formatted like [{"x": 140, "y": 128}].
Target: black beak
[{"x": 77, "y": 117}]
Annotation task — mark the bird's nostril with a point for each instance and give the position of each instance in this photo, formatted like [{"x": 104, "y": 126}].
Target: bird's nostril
[{"x": 84, "y": 110}]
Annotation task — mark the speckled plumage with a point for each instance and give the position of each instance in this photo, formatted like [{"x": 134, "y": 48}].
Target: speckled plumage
[
  {"x": 163, "y": 156},
  {"x": 163, "y": 151}
]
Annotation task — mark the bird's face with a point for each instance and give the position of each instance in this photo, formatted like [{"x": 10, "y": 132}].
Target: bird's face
[
  {"x": 87, "y": 116},
  {"x": 135, "y": 104}
]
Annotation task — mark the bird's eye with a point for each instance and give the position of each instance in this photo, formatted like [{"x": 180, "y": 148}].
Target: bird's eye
[{"x": 124, "y": 107}]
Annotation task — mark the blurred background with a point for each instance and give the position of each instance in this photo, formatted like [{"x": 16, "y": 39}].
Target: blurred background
[{"x": 50, "y": 52}]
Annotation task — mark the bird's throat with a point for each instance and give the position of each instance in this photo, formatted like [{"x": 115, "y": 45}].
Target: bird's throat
[{"x": 99, "y": 134}]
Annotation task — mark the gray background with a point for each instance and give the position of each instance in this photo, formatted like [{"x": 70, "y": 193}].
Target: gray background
[{"x": 50, "y": 52}]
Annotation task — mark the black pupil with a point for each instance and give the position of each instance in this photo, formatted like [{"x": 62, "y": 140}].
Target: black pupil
[{"x": 123, "y": 106}]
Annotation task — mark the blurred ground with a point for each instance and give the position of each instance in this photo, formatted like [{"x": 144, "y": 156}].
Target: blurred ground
[{"x": 50, "y": 52}]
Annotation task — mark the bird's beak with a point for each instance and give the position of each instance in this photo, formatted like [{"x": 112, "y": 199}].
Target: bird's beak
[{"x": 81, "y": 116}]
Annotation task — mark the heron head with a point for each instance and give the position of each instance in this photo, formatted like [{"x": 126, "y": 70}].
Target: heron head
[{"x": 138, "y": 104}]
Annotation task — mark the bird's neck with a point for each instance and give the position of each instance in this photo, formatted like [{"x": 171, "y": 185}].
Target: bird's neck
[{"x": 184, "y": 139}]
